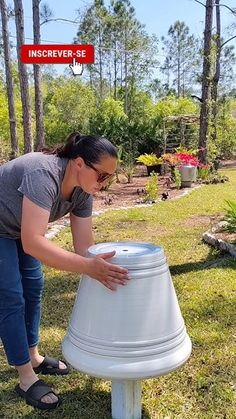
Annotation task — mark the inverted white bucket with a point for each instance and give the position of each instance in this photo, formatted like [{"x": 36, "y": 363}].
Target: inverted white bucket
[{"x": 134, "y": 332}]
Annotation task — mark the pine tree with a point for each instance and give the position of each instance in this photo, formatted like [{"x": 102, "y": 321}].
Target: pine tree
[
  {"x": 23, "y": 76},
  {"x": 40, "y": 137},
  {"x": 9, "y": 80}
]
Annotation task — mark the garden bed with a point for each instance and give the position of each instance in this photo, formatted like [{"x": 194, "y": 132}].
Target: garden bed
[{"x": 125, "y": 194}]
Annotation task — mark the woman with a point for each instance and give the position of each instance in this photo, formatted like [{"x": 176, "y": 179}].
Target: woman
[{"x": 35, "y": 189}]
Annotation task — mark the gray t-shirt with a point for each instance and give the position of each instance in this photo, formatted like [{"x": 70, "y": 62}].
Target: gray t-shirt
[{"x": 37, "y": 176}]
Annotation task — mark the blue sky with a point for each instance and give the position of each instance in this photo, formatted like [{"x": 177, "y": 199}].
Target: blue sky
[{"x": 157, "y": 15}]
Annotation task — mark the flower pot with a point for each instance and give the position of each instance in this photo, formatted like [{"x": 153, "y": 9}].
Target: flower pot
[
  {"x": 157, "y": 168},
  {"x": 188, "y": 175}
]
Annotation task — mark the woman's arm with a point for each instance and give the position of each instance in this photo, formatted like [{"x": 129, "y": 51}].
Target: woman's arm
[
  {"x": 33, "y": 228},
  {"x": 82, "y": 233}
]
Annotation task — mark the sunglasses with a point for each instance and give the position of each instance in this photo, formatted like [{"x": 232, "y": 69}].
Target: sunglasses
[{"x": 101, "y": 176}]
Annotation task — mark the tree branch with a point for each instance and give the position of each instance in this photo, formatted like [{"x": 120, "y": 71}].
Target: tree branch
[
  {"x": 221, "y": 5},
  {"x": 228, "y": 40},
  {"x": 229, "y": 8},
  {"x": 197, "y": 1},
  {"x": 58, "y": 19}
]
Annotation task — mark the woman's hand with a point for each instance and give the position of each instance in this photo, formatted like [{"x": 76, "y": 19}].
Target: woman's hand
[{"x": 108, "y": 274}]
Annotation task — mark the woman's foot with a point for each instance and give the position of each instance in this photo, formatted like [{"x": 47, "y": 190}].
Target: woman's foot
[
  {"x": 36, "y": 361},
  {"x": 28, "y": 378},
  {"x": 36, "y": 394},
  {"x": 49, "y": 398}
]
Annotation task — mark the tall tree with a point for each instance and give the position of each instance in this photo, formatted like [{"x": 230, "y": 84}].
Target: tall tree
[
  {"x": 206, "y": 82},
  {"x": 216, "y": 75},
  {"x": 40, "y": 137},
  {"x": 23, "y": 76},
  {"x": 125, "y": 53},
  {"x": 182, "y": 55},
  {"x": 92, "y": 30},
  {"x": 135, "y": 50},
  {"x": 9, "y": 80}
]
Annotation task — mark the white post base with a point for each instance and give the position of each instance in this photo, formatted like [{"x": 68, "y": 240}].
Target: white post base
[{"x": 126, "y": 399}]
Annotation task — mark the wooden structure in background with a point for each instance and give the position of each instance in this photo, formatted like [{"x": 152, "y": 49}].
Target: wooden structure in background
[{"x": 170, "y": 144}]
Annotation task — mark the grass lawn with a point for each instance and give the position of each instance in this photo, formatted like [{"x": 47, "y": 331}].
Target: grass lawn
[{"x": 205, "y": 282}]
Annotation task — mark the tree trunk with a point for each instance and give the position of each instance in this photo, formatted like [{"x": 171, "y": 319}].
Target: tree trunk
[
  {"x": 178, "y": 71},
  {"x": 216, "y": 77},
  {"x": 126, "y": 74},
  {"x": 9, "y": 81},
  {"x": 115, "y": 73},
  {"x": 23, "y": 76},
  {"x": 100, "y": 61},
  {"x": 206, "y": 84},
  {"x": 40, "y": 137}
]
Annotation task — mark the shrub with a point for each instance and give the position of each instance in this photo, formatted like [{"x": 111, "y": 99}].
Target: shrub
[
  {"x": 230, "y": 216},
  {"x": 149, "y": 159},
  {"x": 203, "y": 171},
  {"x": 177, "y": 177},
  {"x": 152, "y": 188}
]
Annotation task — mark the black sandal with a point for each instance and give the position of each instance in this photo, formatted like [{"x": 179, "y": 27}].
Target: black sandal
[
  {"x": 35, "y": 393},
  {"x": 51, "y": 366}
]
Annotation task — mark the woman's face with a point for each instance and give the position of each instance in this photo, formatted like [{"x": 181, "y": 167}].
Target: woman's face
[{"x": 92, "y": 177}]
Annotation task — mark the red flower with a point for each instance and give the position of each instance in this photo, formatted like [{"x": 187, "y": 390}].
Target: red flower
[{"x": 187, "y": 159}]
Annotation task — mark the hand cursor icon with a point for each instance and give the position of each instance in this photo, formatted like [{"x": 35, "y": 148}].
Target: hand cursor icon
[{"x": 77, "y": 68}]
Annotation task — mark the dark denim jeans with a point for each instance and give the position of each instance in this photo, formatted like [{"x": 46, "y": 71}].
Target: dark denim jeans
[{"x": 21, "y": 285}]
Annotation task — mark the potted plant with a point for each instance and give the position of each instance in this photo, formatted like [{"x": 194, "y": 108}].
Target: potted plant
[
  {"x": 187, "y": 164},
  {"x": 152, "y": 162},
  {"x": 188, "y": 169}
]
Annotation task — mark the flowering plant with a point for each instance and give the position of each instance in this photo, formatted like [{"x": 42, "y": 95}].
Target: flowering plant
[
  {"x": 187, "y": 159},
  {"x": 178, "y": 159},
  {"x": 170, "y": 158}
]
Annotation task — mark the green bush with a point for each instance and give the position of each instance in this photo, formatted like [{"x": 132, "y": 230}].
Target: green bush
[
  {"x": 203, "y": 172},
  {"x": 152, "y": 188},
  {"x": 230, "y": 216},
  {"x": 177, "y": 178}
]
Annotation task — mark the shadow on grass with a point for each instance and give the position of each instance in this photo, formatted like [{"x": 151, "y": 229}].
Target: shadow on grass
[
  {"x": 77, "y": 403},
  {"x": 214, "y": 259},
  {"x": 219, "y": 309}
]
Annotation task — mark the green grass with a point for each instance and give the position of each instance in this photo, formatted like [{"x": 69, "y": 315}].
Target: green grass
[{"x": 204, "y": 281}]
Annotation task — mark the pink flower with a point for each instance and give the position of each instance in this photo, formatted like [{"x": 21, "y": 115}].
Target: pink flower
[{"x": 187, "y": 159}]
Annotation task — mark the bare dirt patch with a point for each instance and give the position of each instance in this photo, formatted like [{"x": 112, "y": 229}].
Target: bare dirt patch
[
  {"x": 226, "y": 237},
  {"x": 198, "y": 220}
]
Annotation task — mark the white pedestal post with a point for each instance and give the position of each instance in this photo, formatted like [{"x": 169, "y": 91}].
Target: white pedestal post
[{"x": 126, "y": 399}]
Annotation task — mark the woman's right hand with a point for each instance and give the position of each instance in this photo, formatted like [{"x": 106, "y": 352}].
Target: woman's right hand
[{"x": 108, "y": 274}]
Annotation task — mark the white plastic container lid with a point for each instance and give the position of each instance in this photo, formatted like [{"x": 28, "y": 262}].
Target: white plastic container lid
[{"x": 131, "y": 255}]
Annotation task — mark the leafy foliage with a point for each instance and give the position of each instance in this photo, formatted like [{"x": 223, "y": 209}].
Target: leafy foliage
[
  {"x": 230, "y": 216},
  {"x": 149, "y": 159},
  {"x": 182, "y": 57},
  {"x": 69, "y": 105},
  {"x": 123, "y": 99},
  {"x": 177, "y": 177},
  {"x": 151, "y": 188}
]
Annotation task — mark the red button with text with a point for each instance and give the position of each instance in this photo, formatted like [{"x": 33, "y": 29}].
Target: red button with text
[{"x": 57, "y": 54}]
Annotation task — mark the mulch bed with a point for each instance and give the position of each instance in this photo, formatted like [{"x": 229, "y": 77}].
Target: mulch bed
[{"x": 125, "y": 194}]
